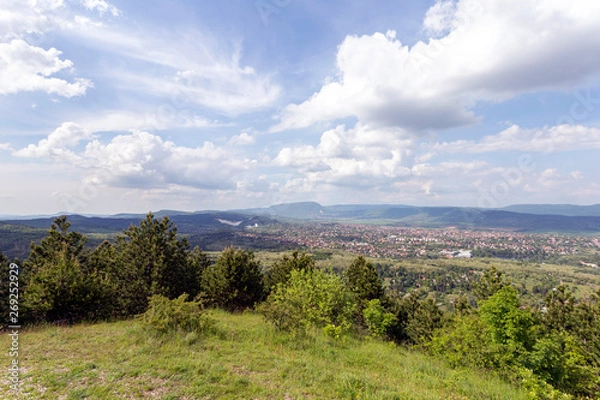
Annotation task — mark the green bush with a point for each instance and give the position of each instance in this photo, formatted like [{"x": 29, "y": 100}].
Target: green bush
[
  {"x": 311, "y": 299},
  {"x": 178, "y": 315},
  {"x": 508, "y": 323},
  {"x": 377, "y": 319},
  {"x": 559, "y": 360},
  {"x": 466, "y": 342}
]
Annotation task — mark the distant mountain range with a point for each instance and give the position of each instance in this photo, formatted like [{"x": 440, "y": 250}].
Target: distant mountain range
[
  {"x": 211, "y": 229},
  {"x": 188, "y": 223},
  {"x": 569, "y": 218},
  {"x": 556, "y": 209},
  {"x": 525, "y": 217}
]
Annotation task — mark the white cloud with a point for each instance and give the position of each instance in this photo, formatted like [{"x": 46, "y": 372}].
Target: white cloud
[
  {"x": 194, "y": 69},
  {"x": 31, "y": 19},
  {"x": 552, "y": 180},
  {"x": 23, "y": 17},
  {"x": 361, "y": 156},
  {"x": 242, "y": 139},
  {"x": 440, "y": 17},
  {"x": 493, "y": 51},
  {"x": 29, "y": 68},
  {"x": 188, "y": 67},
  {"x": 546, "y": 139},
  {"x": 139, "y": 159},
  {"x": 227, "y": 87},
  {"x": 59, "y": 145},
  {"x": 6, "y": 147},
  {"x": 387, "y": 164},
  {"x": 101, "y": 6}
]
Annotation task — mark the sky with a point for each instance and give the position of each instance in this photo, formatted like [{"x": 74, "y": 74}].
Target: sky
[{"x": 129, "y": 106}]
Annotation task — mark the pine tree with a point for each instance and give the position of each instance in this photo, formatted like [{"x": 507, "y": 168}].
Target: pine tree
[
  {"x": 152, "y": 260},
  {"x": 61, "y": 289},
  {"x": 59, "y": 239},
  {"x": 281, "y": 270},
  {"x": 235, "y": 282},
  {"x": 363, "y": 280},
  {"x": 559, "y": 312},
  {"x": 489, "y": 284}
]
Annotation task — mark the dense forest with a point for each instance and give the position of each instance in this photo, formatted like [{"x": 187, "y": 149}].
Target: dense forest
[{"x": 552, "y": 349}]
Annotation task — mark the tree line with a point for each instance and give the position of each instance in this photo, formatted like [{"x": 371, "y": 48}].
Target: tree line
[{"x": 553, "y": 350}]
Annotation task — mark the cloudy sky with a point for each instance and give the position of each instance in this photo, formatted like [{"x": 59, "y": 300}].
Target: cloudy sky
[{"x": 201, "y": 104}]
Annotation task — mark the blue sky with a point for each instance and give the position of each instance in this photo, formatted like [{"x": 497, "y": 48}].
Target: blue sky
[{"x": 129, "y": 106}]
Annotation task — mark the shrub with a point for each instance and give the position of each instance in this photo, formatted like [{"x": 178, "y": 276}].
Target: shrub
[
  {"x": 465, "y": 342},
  {"x": 558, "y": 359},
  {"x": 178, "y": 315},
  {"x": 508, "y": 322},
  {"x": 377, "y": 319},
  {"x": 311, "y": 299}
]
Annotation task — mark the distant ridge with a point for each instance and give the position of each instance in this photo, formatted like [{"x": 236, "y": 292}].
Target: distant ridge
[
  {"x": 582, "y": 219},
  {"x": 530, "y": 218},
  {"x": 187, "y": 223},
  {"x": 556, "y": 209}
]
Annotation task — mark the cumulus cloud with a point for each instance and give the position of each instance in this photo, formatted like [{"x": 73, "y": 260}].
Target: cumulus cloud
[
  {"x": 242, "y": 139},
  {"x": 361, "y": 156},
  {"x": 489, "y": 50},
  {"x": 451, "y": 168},
  {"x": 58, "y": 145},
  {"x": 29, "y": 68},
  {"x": 21, "y": 19},
  {"x": 546, "y": 139},
  {"x": 6, "y": 146},
  {"x": 139, "y": 159}
]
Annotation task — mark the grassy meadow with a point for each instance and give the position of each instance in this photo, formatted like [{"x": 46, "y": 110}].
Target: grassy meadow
[{"x": 244, "y": 358}]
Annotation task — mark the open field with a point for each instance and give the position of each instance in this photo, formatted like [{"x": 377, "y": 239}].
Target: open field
[{"x": 244, "y": 359}]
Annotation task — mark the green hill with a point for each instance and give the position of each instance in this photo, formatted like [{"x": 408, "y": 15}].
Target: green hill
[
  {"x": 556, "y": 209},
  {"x": 244, "y": 359}
]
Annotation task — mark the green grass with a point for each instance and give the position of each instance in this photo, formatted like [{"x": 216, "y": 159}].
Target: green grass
[{"x": 244, "y": 359}]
